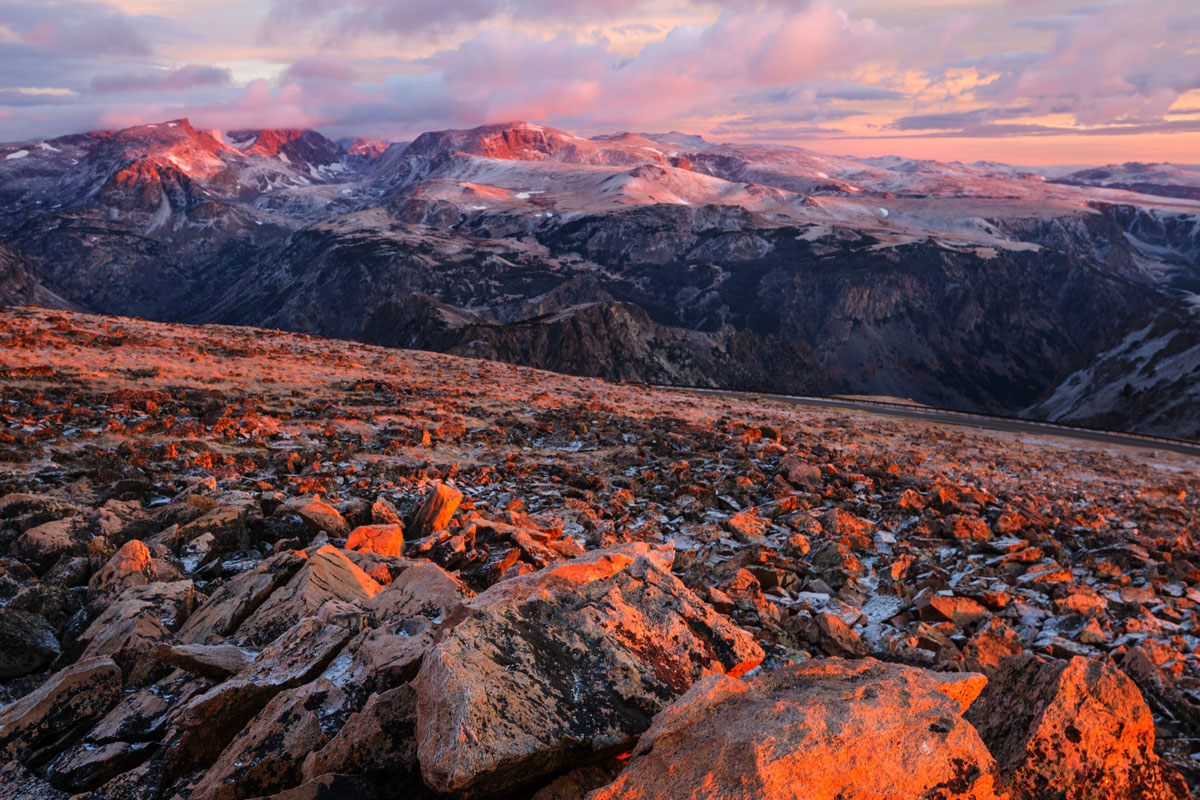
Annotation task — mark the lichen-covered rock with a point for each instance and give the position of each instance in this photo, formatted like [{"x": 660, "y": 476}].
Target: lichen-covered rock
[
  {"x": 268, "y": 754},
  {"x": 566, "y": 665},
  {"x": 1079, "y": 727},
  {"x": 71, "y": 697},
  {"x": 822, "y": 730}
]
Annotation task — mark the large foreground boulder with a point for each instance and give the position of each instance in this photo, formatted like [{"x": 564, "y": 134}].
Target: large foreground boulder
[
  {"x": 567, "y": 665},
  {"x": 1079, "y": 727},
  {"x": 823, "y": 730}
]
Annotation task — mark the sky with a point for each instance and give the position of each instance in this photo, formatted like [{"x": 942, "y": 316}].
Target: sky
[{"x": 1021, "y": 81}]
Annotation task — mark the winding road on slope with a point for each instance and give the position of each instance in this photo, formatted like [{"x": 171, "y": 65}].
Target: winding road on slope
[{"x": 966, "y": 419}]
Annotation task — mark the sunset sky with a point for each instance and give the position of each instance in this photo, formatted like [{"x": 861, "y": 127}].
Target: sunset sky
[{"x": 1022, "y": 81}]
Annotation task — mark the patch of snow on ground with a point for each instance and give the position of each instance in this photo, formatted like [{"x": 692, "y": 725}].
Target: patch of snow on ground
[
  {"x": 50, "y": 147},
  {"x": 16, "y": 155}
]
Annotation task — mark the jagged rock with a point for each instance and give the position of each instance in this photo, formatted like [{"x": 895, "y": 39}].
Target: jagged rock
[
  {"x": 210, "y": 720},
  {"x": 27, "y": 643},
  {"x": 216, "y": 661},
  {"x": 435, "y": 512},
  {"x": 22, "y": 511},
  {"x": 408, "y": 613},
  {"x": 230, "y": 605},
  {"x": 328, "y": 575},
  {"x": 830, "y": 633},
  {"x": 378, "y": 742},
  {"x": 320, "y": 516},
  {"x": 46, "y": 543},
  {"x": 268, "y": 754},
  {"x": 132, "y": 565},
  {"x": 138, "y": 620},
  {"x": 384, "y": 540},
  {"x": 18, "y": 783},
  {"x": 563, "y": 666},
  {"x": 69, "y": 698},
  {"x": 86, "y": 767},
  {"x": 823, "y": 730},
  {"x": 1080, "y": 724},
  {"x": 384, "y": 513}
]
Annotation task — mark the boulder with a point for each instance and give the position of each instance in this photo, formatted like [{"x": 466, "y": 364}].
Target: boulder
[
  {"x": 132, "y": 565},
  {"x": 46, "y": 543},
  {"x": 138, "y": 620},
  {"x": 378, "y": 742},
  {"x": 1079, "y": 724},
  {"x": 320, "y": 516},
  {"x": 210, "y": 720},
  {"x": 384, "y": 540},
  {"x": 231, "y": 604},
  {"x": 21, "y": 511},
  {"x": 564, "y": 666},
  {"x": 822, "y": 730},
  {"x": 407, "y": 613},
  {"x": 216, "y": 661},
  {"x": 27, "y": 643},
  {"x": 69, "y": 698},
  {"x": 225, "y": 524},
  {"x": 435, "y": 512},
  {"x": 268, "y": 754},
  {"x": 328, "y": 575}
]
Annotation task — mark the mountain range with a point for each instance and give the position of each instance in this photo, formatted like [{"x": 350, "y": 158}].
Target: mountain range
[{"x": 1070, "y": 295}]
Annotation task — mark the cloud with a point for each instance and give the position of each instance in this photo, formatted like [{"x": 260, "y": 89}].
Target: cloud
[
  {"x": 1107, "y": 63},
  {"x": 161, "y": 79},
  {"x": 72, "y": 28},
  {"x": 958, "y": 120},
  {"x": 345, "y": 19}
]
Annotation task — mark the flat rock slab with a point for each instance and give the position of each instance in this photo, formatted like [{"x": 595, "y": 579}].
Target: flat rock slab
[
  {"x": 822, "y": 730},
  {"x": 556, "y": 668}
]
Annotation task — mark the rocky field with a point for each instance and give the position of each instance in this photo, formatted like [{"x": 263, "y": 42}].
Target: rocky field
[{"x": 240, "y": 564}]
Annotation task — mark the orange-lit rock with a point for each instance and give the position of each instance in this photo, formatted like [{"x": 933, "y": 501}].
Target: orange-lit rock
[
  {"x": 384, "y": 540},
  {"x": 823, "y": 730},
  {"x": 320, "y": 516},
  {"x": 436, "y": 511},
  {"x": 1079, "y": 726},
  {"x": 131, "y": 565},
  {"x": 563, "y": 666}
]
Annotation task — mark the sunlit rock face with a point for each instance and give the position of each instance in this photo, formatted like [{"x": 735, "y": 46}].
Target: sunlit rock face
[{"x": 660, "y": 259}]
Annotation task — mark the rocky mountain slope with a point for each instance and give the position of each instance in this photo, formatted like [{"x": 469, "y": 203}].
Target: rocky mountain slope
[
  {"x": 237, "y": 563},
  {"x": 978, "y": 287}
]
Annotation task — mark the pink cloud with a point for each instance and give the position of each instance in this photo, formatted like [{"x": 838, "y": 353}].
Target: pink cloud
[
  {"x": 1108, "y": 63},
  {"x": 186, "y": 77}
]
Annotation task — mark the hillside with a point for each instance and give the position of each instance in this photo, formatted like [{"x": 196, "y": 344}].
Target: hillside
[
  {"x": 238, "y": 563},
  {"x": 979, "y": 287}
]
